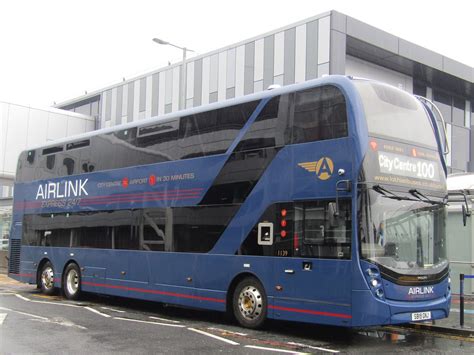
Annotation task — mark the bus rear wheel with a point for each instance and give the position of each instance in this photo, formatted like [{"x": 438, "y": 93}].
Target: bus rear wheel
[
  {"x": 249, "y": 303},
  {"x": 72, "y": 282},
  {"x": 46, "y": 279}
]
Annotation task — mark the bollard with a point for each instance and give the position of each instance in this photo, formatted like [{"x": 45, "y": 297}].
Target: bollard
[{"x": 461, "y": 300}]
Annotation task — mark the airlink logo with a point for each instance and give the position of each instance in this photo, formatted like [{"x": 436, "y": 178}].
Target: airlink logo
[
  {"x": 421, "y": 290},
  {"x": 63, "y": 189},
  {"x": 323, "y": 168}
]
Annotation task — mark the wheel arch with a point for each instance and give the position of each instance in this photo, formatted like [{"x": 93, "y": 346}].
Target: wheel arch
[{"x": 66, "y": 264}]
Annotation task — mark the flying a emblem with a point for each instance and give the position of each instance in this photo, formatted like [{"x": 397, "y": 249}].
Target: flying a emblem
[{"x": 323, "y": 168}]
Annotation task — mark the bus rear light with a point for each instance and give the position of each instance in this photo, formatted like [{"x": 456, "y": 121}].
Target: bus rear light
[
  {"x": 283, "y": 233},
  {"x": 283, "y": 223},
  {"x": 283, "y": 212}
]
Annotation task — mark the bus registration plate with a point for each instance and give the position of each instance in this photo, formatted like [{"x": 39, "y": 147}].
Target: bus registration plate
[{"x": 420, "y": 316}]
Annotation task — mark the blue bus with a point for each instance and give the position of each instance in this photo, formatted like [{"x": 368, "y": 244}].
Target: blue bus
[{"x": 320, "y": 202}]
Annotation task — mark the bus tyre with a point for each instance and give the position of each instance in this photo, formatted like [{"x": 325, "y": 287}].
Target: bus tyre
[
  {"x": 46, "y": 279},
  {"x": 72, "y": 282},
  {"x": 249, "y": 303}
]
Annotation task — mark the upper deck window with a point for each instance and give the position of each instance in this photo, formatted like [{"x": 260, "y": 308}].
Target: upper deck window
[
  {"x": 320, "y": 113},
  {"x": 393, "y": 113}
]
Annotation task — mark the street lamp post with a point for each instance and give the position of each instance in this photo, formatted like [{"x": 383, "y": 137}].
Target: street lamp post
[{"x": 182, "y": 79}]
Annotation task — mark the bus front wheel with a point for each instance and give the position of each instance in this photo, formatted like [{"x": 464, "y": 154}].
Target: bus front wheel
[
  {"x": 46, "y": 279},
  {"x": 72, "y": 282},
  {"x": 249, "y": 303}
]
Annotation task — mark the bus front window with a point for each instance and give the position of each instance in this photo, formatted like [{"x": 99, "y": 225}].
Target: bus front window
[{"x": 401, "y": 233}]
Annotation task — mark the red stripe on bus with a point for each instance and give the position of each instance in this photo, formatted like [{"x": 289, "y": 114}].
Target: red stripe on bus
[
  {"x": 308, "y": 311},
  {"x": 165, "y": 293},
  {"x": 139, "y": 199}
]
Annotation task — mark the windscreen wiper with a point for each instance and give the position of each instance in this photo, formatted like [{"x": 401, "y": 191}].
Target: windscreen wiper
[
  {"x": 389, "y": 194},
  {"x": 419, "y": 195}
]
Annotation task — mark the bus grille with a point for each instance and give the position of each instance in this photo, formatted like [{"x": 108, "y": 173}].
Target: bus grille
[{"x": 14, "y": 262}]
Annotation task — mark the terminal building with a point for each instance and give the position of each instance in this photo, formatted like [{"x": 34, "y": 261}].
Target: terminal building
[
  {"x": 22, "y": 127},
  {"x": 330, "y": 43}
]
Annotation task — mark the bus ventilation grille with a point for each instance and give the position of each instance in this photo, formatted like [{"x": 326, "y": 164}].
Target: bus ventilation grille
[{"x": 15, "y": 250}]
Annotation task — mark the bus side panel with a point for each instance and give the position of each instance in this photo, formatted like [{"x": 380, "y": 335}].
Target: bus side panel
[
  {"x": 215, "y": 273},
  {"x": 313, "y": 290}
]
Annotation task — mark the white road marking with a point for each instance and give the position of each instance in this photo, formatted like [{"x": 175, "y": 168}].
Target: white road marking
[
  {"x": 314, "y": 347},
  {"x": 273, "y": 349},
  {"x": 97, "y": 312},
  {"x": 6, "y": 293},
  {"x": 154, "y": 323},
  {"x": 228, "y": 331},
  {"x": 22, "y": 297},
  {"x": 113, "y": 310},
  {"x": 2, "y": 317},
  {"x": 47, "y": 302},
  {"x": 23, "y": 313},
  {"x": 59, "y": 321},
  {"x": 165, "y": 319},
  {"x": 214, "y": 336}
]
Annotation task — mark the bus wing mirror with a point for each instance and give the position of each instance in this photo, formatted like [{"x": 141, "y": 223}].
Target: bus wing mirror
[
  {"x": 341, "y": 186},
  {"x": 465, "y": 213}
]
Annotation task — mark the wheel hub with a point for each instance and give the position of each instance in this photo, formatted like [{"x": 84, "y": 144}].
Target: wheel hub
[
  {"x": 250, "y": 302},
  {"x": 72, "y": 282},
  {"x": 47, "y": 278}
]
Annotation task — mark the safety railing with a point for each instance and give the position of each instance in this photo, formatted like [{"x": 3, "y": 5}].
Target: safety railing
[{"x": 461, "y": 297}]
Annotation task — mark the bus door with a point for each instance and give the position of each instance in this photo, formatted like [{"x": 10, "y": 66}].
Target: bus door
[{"x": 312, "y": 267}]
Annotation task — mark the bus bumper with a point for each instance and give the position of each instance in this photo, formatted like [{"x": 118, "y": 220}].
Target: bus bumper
[{"x": 369, "y": 311}]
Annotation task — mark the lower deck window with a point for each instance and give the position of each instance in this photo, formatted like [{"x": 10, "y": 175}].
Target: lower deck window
[
  {"x": 304, "y": 229},
  {"x": 186, "y": 229}
]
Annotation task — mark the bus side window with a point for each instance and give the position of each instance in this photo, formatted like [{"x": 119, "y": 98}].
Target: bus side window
[{"x": 152, "y": 230}]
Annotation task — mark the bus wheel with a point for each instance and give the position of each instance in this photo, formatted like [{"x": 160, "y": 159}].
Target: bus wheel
[
  {"x": 250, "y": 303},
  {"x": 72, "y": 282},
  {"x": 47, "y": 279}
]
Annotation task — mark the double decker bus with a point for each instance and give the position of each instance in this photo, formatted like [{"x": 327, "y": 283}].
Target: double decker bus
[{"x": 320, "y": 202}]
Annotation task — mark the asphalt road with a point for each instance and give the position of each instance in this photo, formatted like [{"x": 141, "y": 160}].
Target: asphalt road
[{"x": 33, "y": 323}]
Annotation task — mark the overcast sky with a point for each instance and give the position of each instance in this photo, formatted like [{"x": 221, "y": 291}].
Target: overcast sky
[{"x": 55, "y": 50}]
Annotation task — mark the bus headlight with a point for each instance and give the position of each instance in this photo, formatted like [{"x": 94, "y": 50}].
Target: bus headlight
[
  {"x": 374, "y": 282},
  {"x": 379, "y": 293}
]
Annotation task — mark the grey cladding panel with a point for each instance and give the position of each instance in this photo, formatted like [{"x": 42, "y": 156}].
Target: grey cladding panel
[
  {"x": 155, "y": 94},
  {"x": 420, "y": 54},
  {"x": 142, "y": 95},
  {"x": 131, "y": 92},
  {"x": 118, "y": 113},
  {"x": 289, "y": 61},
  {"x": 457, "y": 69},
  {"x": 249, "y": 67},
  {"x": 197, "y": 82},
  {"x": 268, "y": 56},
  {"x": 108, "y": 105},
  {"x": 372, "y": 35},
  {"x": 337, "y": 60},
  {"x": 312, "y": 50},
  {"x": 338, "y": 21}
]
